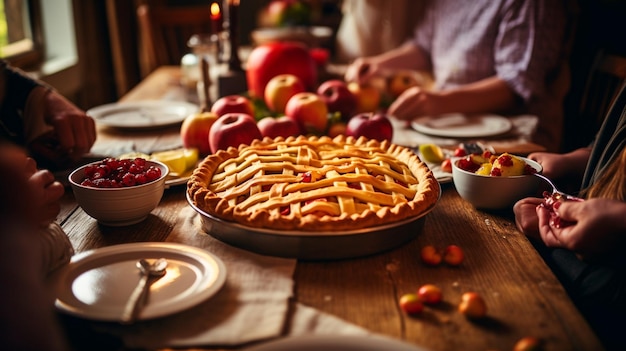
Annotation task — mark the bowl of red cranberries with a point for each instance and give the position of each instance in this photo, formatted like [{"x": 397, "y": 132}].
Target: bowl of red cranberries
[
  {"x": 119, "y": 192},
  {"x": 495, "y": 181}
]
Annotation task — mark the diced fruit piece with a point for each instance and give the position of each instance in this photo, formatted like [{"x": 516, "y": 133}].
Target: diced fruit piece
[
  {"x": 507, "y": 165},
  {"x": 485, "y": 169},
  {"x": 472, "y": 305},
  {"x": 430, "y": 255},
  {"x": 431, "y": 153},
  {"x": 446, "y": 165},
  {"x": 460, "y": 152},
  {"x": 117, "y": 173},
  {"x": 178, "y": 160},
  {"x": 430, "y": 294},
  {"x": 528, "y": 343},
  {"x": 411, "y": 304},
  {"x": 453, "y": 255}
]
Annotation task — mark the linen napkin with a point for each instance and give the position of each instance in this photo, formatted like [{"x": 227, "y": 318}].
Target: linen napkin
[{"x": 251, "y": 306}]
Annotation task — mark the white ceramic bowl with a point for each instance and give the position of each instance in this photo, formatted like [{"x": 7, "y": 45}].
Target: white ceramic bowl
[
  {"x": 494, "y": 193},
  {"x": 118, "y": 206}
]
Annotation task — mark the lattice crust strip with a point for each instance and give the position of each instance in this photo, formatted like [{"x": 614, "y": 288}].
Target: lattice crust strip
[{"x": 314, "y": 184}]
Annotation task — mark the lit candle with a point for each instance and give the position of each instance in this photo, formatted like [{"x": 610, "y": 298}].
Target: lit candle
[{"x": 216, "y": 18}]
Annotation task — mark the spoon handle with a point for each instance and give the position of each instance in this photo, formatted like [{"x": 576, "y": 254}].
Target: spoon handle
[{"x": 134, "y": 304}]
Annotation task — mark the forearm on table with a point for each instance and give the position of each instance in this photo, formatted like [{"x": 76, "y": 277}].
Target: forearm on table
[
  {"x": 487, "y": 95},
  {"x": 407, "y": 56}
]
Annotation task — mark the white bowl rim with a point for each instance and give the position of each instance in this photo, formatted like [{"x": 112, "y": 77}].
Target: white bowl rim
[
  {"x": 534, "y": 164},
  {"x": 164, "y": 172}
]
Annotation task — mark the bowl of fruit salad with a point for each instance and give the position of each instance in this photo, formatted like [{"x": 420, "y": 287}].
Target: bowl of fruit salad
[
  {"x": 119, "y": 192},
  {"x": 495, "y": 181}
]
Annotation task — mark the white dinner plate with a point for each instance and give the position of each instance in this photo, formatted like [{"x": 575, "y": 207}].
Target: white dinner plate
[
  {"x": 336, "y": 342},
  {"x": 97, "y": 284},
  {"x": 456, "y": 125},
  {"x": 142, "y": 114}
]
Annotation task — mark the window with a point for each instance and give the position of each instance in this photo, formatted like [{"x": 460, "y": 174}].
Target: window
[{"x": 20, "y": 32}]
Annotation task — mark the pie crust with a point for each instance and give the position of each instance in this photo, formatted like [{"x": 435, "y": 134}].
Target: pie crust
[{"x": 314, "y": 184}]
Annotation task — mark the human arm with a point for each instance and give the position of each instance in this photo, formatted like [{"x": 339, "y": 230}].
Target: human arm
[
  {"x": 598, "y": 229},
  {"x": 37, "y": 117},
  {"x": 45, "y": 192},
  {"x": 407, "y": 56},
  {"x": 68, "y": 133},
  {"x": 489, "y": 94},
  {"x": 27, "y": 306},
  {"x": 569, "y": 166}
]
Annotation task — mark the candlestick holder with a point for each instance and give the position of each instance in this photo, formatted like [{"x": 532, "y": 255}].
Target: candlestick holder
[
  {"x": 234, "y": 63},
  {"x": 234, "y": 80}
]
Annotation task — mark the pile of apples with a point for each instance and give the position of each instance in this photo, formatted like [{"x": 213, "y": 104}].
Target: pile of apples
[{"x": 284, "y": 100}]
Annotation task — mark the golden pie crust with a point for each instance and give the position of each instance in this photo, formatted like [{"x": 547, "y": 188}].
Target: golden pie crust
[{"x": 314, "y": 184}]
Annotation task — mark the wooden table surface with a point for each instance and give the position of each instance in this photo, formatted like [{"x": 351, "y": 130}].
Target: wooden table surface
[{"x": 523, "y": 297}]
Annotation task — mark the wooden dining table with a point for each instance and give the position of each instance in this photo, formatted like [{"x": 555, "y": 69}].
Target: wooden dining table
[{"x": 523, "y": 297}]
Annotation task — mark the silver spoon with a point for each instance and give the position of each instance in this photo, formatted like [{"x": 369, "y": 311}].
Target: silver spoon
[
  {"x": 556, "y": 193},
  {"x": 138, "y": 299}
]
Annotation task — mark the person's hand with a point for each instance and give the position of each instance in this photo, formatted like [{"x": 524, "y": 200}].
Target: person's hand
[
  {"x": 598, "y": 226},
  {"x": 45, "y": 192},
  {"x": 526, "y": 218},
  {"x": 557, "y": 166},
  {"x": 73, "y": 135},
  {"x": 361, "y": 70},
  {"x": 29, "y": 196},
  {"x": 554, "y": 165},
  {"x": 415, "y": 102}
]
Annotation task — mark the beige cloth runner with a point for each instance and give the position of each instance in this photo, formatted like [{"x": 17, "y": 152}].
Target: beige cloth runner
[{"x": 253, "y": 305}]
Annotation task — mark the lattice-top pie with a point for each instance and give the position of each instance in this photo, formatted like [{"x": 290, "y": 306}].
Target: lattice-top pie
[{"x": 314, "y": 184}]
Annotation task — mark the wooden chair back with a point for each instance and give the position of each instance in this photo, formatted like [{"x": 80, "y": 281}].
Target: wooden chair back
[
  {"x": 601, "y": 86},
  {"x": 607, "y": 75},
  {"x": 165, "y": 30}
]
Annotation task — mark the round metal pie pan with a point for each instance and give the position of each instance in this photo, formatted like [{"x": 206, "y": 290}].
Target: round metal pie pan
[{"x": 313, "y": 245}]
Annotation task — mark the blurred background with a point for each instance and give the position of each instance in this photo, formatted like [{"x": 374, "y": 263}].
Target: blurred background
[{"x": 95, "y": 51}]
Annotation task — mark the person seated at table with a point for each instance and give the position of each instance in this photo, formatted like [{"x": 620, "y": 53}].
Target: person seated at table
[
  {"x": 372, "y": 27},
  {"x": 54, "y": 130},
  {"x": 491, "y": 57},
  {"x": 588, "y": 255},
  {"x": 32, "y": 246}
]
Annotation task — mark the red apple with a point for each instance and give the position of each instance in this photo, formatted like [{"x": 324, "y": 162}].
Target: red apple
[
  {"x": 194, "y": 131},
  {"x": 453, "y": 255},
  {"x": 368, "y": 97},
  {"x": 233, "y": 104},
  {"x": 269, "y": 60},
  {"x": 430, "y": 255},
  {"x": 280, "y": 126},
  {"x": 280, "y": 89},
  {"x": 430, "y": 294},
  {"x": 370, "y": 125},
  {"x": 472, "y": 305},
  {"x": 309, "y": 110},
  {"x": 338, "y": 98},
  {"x": 411, "y": 304},
  {"x": 233, "y": 129}
]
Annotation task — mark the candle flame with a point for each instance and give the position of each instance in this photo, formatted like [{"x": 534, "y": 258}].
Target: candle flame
[{"x": 215, "y": 10}]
